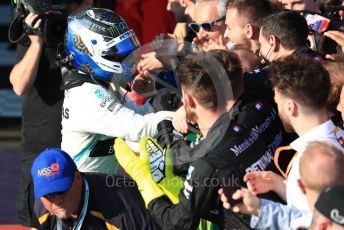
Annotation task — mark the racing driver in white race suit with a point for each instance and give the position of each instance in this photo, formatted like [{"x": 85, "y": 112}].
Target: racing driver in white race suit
[{"x": 97, "y": 44}]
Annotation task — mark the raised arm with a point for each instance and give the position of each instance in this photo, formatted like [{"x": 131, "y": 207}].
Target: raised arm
[{"x": 24, "y": 73}]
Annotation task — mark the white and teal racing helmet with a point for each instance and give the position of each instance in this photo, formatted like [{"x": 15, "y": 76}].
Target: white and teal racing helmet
[{"x": 98, "y": 41}]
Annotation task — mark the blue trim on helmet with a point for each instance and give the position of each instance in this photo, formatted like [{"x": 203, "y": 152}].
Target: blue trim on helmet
[
  {"x": 80, "y": 58},
  {"x": 126, "y": 46}
]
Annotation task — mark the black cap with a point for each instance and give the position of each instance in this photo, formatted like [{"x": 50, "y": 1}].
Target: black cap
[{"x": 331, "y": 204}]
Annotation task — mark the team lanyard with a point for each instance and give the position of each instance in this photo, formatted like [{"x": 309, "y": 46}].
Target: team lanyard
[
  {"x": 81, "y": 218},
  {"x": 291, "y": 162}
]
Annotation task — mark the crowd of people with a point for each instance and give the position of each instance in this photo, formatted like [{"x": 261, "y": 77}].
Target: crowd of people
[{"x": 234, "y": 121}]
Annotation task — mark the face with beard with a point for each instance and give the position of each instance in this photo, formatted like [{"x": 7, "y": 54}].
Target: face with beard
[{"x": 280, "y": 101}]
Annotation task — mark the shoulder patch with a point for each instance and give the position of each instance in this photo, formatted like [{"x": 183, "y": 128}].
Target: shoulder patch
[
  {"x": 235, "y": 127},
  {"x": 259, "y": 105}
]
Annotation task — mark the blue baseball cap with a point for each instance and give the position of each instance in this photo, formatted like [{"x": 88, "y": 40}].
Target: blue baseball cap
[{"x": 52, "y": 171}]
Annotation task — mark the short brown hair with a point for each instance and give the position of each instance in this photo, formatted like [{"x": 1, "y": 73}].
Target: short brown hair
[
  {"x": 301, "y": 78},
  {"x": 288, "y": 26},
  {"x": 251, "y": 11},
  {"x": 204, "y": 74},
  {"x": 336, "y": 71}
]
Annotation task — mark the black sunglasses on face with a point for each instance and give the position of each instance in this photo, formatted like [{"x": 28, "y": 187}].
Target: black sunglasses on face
[{"x": 207, "y": 26}]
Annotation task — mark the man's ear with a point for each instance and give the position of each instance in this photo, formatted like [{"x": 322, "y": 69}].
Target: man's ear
[
  {"x": 301, "y": 186},
  {"x": 190, "y": 100},
  {"x": 274, "y": 42},
  {"x": 324, "y": 224},
  {"x": 291, "y": 107},
  {"x": 249, "y": 31}
]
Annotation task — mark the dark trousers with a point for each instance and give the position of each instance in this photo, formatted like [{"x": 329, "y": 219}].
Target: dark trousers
[{"x": 25, "y": 196}]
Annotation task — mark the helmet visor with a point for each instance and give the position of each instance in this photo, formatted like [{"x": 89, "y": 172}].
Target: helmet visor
[{"x": 122, "y": 49}]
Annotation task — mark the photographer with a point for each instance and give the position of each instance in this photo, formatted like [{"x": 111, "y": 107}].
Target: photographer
[{"x": 38, "y": 79}]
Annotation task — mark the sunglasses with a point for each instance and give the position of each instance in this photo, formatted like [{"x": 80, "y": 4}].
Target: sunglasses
[{"x": 207, "y": 26}]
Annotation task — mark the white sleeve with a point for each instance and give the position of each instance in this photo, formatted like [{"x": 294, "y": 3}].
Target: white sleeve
[
  {"x": 94, "y": 110},
  {"x": 274, "y": 215},
  {"x": 142, "y": 109}
]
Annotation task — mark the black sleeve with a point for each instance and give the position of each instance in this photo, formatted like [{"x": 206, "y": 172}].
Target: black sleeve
[
  {"x": 196, "y": 199},
  {"x": 256, "y": 84},
  {"x": 165, "y": 101},
  {"x": 138, "y": 218},
  {"x": 180, "y": 150},
  {"x": 165, "y": 134}
]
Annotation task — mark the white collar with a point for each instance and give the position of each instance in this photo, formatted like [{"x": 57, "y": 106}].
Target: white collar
[
  {"x": 324, "y": 131},
  {"x": 303, "y": 221}
]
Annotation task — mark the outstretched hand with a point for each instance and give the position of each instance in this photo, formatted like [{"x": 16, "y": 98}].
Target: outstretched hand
[
  {"x": 250, "y": 203},
  {"x": 261, "y": 181},
  {"x": 149, "y": 61}
]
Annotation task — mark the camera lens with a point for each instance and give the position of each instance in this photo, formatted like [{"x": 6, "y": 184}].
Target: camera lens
[
  {"x": 58, "y": 27},
  {"x": 55, "y": 27}
]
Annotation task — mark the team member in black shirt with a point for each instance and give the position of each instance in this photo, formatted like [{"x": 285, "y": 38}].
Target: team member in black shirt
[{"x": 241, "y": 140}]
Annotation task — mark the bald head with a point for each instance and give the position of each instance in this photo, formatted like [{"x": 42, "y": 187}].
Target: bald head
[{"x": 321, "y": 166}]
